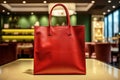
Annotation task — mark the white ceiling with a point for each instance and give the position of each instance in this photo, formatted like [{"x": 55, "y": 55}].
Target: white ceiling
[{"x": 40, "y": 7}]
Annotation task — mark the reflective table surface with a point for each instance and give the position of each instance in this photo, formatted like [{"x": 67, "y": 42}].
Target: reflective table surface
[{"x": 22, "y": 69}]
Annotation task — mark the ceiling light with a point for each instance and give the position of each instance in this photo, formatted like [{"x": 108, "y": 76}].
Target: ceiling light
[
  {"x": 32, "y": 13},
  {"x": 113, "y": 6},
  {"x": 24, "y": 2},
  {"x": 8, "y": 13},
  {"x": 93, "y": 2},
  {"x": 119, "y": 1},
  {"x": 3, "y": 10},
  {"x": 4, "y": 2},
  {"x": 95, "y": 19},
  {"x": 97, "y": 24},
  {"x": 109, "y": 1},
  {"x": 44, "y": 2},
  {"x": 104, "y": 13},
  {"x": 108, "y": 10}
]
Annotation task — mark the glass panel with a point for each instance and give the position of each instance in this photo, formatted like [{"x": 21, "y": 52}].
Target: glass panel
[
  {"x": 105, "y": 26},
  {"x": 110, "y": 20},
  {"x": 116, "y": 22}
]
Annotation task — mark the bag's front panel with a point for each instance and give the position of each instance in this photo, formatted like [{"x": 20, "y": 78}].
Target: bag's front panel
[
  {"x": 58, "y": 53},
  {"x": 42, "y": 54}
]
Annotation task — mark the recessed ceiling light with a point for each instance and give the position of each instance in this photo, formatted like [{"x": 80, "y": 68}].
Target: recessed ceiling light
[
  {"x": 92, "y": 1},
  {"x": 113, "y": 6},
  {"x": 104, "y": 13},
  {"x": 95, "y": 19},
  {"x": 44, "y": 2},
  {"x": 3, "y": 10},
  {"x": 4, "y": 2},
  {"x": 24, "y": 2},
  {"x": 32, "y": 13},
  {"x": 108, "y": 10},
  {"x": 109, "y": 1},
  {"x": 8, "y": 13}
]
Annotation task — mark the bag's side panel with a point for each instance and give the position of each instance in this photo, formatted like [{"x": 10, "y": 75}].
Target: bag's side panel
[{"x": 79, "y": 36}]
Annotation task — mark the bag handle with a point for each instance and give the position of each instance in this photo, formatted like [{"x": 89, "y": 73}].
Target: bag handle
[{"x": 67, "y": 16}]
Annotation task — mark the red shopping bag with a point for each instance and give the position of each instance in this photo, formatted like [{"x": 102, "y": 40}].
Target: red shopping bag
[{"x": 59, "y": 49}]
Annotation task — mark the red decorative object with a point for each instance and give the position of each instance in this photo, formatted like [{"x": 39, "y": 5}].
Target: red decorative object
[{"x": 59, "y": 49}]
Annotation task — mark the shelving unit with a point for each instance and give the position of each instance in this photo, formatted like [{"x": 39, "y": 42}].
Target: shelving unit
[
  {"x": 17, "y": 35},
  {"x": 97, "y": 28},
  {"x": 98, "y": 33}
]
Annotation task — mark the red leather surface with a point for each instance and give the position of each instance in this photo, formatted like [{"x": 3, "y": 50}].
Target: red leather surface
[{"x": 59, "y": 52}]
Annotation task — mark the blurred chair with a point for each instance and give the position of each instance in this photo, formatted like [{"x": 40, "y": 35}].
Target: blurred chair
[
  {"x": 114, "y": 53},
  {"x": 29, "y": 52},
  {"x": 25, "y": 50},
  {"x": 86, "y": 50},
  {"x": 90, "y": 52},
  {"x": 103, "y": 52}
]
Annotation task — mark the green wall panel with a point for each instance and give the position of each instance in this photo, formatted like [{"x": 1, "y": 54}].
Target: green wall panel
[
  {"x": 26, "y": 21},
  {"x": 73, "y": 20},
  {"x": 43, "y": 20},
  {"x": 85, "y": 19},
  {"x": 5, "y": 19},
  {"x": 33, "y": 19},
  {"x": 23, "y": 22},
  {"x": 1, "y": 21},
  {"x": 61, "y": 20}
]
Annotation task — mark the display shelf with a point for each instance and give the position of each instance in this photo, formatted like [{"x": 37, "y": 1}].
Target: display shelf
[
  {"x": 98, "y": 33},
  {"x": 16, "y": 35},
  {"x": 15, "y": 31},
  {"x": 97, "y": 28}
]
